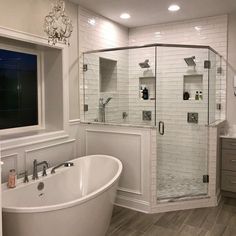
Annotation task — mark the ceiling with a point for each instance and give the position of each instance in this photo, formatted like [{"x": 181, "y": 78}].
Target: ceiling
[{"x": 146, "y": 12}]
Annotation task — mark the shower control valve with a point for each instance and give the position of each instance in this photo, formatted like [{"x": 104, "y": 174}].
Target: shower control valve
[{"x": 192, "y": 117}]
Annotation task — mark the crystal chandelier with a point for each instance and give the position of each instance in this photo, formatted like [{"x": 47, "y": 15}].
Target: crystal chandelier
[{"x": 57, "y": 25}]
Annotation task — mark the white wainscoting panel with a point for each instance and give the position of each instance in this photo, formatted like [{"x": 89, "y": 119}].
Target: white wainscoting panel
[
  {"x": 125, "y": 146},
  {"x": 10, "y": 162},
  {"x": 54, "y": 153}
]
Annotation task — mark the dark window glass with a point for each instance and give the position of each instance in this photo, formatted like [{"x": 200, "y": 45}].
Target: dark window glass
[{"x": 18, "y": 89}]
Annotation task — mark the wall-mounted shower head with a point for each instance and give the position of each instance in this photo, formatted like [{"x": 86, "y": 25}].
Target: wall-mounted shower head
[
  {"x": 190, "y": 61},
  {"x": 144, "y": 64}
]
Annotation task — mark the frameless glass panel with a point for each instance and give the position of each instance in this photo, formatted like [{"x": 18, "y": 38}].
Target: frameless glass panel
[
  {"x": 182, "y": 116},
  {"x": 119, "y": 86}
]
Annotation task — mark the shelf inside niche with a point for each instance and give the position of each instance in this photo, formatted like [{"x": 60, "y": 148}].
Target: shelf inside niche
[
  {"x": 149, "y": 83},
  {"x": 191, "y": 84}
]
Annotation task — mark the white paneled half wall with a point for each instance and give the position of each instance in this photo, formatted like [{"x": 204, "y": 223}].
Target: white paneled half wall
[{"x": 132, "y": 147}]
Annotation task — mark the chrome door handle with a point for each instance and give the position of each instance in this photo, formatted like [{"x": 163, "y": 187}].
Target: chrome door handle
[{"x": 161, "y": 128}]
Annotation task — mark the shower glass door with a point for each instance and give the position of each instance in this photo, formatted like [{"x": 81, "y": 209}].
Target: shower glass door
[{"x": 182, "y": 84}]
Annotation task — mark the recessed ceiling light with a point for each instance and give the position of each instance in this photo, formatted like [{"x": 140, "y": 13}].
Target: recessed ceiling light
[
  {"x": 198, "y": 28},
  {"x": 92, "y": 21},
  {"x": 125, "y": 16},
  {"x": 173, "y": 7}
]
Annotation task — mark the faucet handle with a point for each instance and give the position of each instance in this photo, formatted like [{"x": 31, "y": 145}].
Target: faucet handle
[
  {"x": 44, "y": 170},
  {"x": 25, "y": 174}
]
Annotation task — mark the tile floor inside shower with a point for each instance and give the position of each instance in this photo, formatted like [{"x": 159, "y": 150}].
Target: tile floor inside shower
[{"x": 170, "y": 186}]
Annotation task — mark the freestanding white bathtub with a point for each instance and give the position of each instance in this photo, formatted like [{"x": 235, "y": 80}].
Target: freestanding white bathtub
[{"x": 75, "y": 201}]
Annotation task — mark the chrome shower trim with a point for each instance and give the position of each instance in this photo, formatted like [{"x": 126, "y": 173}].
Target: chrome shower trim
[{"x": 155, "y": 45}]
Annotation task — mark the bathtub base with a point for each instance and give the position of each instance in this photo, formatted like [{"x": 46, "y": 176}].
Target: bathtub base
[{"x": 90, "y": 218}]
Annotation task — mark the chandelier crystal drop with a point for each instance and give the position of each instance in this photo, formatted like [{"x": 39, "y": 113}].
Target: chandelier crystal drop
[{"x": 57, "y": 25}]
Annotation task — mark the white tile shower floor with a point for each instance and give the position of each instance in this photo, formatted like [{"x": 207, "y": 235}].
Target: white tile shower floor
[{"x": 170, "y": 186}]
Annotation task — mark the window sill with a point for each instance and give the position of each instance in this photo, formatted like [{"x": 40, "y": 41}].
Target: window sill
[{"x": 29, "y": 138}]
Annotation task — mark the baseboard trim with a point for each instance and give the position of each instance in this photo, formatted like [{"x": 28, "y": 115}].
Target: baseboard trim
[
  {"x": 228, "y": 194},
  {"x": 133, "y": 204}
]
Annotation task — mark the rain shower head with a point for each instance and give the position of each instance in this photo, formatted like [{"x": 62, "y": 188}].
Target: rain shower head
[
  {"x": 144, "y": 64},
  {"x": 190, "y": 61}
]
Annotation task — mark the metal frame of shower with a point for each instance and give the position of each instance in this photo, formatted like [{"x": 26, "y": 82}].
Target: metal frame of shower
[{"x": 156, "y": 45}]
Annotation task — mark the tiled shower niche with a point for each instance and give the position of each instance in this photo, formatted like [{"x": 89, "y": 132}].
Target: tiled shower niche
[
  {"x": 193, "y": 84},
  {"x": 108, "y": 75}
]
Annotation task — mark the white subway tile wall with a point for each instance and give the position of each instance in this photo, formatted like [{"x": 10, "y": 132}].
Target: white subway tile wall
[{"x": 210, "y": 31}]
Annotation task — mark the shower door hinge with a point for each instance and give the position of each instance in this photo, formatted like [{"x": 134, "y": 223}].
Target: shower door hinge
[
  {"x": 85, "y": 107},
  {"x": 205, "y": 179},
  {"x": 218, "y": 106},
  {"x": 207, "y": 64},
  {"x": 85, "y": 67}
]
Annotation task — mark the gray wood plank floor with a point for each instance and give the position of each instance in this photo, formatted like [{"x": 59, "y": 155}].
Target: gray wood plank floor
[{"x": 213, "y": 221}]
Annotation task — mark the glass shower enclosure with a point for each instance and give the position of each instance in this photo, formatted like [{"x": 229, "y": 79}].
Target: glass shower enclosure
[{"x": 175, "y": 89}]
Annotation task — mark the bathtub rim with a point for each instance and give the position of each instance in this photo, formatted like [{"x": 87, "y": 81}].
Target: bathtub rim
[{"x": 78, "y": 201}]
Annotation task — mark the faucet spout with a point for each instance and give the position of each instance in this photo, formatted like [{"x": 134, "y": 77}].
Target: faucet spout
[{"x": 65, "y": 164}]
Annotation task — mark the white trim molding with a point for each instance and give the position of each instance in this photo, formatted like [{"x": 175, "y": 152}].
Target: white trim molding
[
  {"x": 50, "y": 146},
  {"x": 27, "y": 37}
]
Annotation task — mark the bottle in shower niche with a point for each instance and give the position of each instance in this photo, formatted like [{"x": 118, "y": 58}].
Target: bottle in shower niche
[
  {"x": 141, "y": 92},
  {"x": 11, "y": 183},
  {"x": 200, "y": 95},
  {"x": 145, "y": 94},
  {"x": 197, "y": 95}
]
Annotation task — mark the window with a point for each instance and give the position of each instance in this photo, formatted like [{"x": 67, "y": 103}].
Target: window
[{"x": 18, "y": 89}]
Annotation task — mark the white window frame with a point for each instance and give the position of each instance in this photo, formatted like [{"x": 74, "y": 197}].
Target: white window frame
[{"x": 40, "y": 90}]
